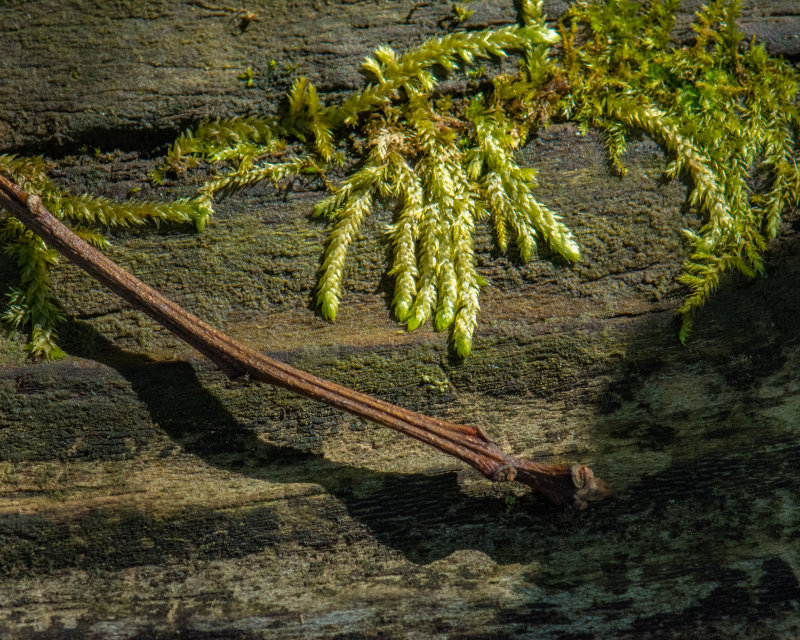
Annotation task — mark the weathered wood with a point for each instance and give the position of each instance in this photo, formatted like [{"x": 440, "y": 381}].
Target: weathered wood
[{"x": 144, "y": 495}]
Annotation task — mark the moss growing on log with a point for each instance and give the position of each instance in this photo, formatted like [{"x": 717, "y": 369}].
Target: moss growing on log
[{"x": 722, "y": 109}]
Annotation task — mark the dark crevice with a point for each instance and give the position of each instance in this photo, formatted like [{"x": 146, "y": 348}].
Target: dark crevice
[
  {"x": 97, "y": 314},
  {"x": 147, "y": 142}
]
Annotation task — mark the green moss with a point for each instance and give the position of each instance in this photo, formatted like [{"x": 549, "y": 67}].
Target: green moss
[
  {"x": 439, "y": 183},
  {"x": 445, "y": 164},
  {"x": 722, "y": 109},
  {"x": 32, "y": 304}
]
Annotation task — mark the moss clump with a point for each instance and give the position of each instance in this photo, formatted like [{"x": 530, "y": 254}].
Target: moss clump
[
  {"x": 722, "y": 108},
  {"x": 445, "y": 162},
  {"x": 442, "y": 163}
]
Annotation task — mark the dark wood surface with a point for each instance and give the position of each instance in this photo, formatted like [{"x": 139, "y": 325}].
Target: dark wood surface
[{"x": 144, "y": 495}]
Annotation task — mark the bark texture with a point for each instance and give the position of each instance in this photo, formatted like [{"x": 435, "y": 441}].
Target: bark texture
[{"x": 144, "y": 495}]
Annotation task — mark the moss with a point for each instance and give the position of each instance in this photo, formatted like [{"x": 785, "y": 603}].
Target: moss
[
  {"x": 443, "y": 162},
  {"x": 31, "y": 305},
  {"x": 709, "y": 105}
]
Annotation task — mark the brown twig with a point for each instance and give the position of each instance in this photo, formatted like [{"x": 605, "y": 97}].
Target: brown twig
[{"x": 564, "y": 485}]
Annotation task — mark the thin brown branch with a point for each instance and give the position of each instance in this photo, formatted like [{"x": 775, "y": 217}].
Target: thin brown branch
[{"x": 564, "y": 485}]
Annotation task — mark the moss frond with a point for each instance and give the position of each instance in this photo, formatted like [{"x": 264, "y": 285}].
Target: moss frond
[
  {"x": 232, "y": 136},
  {"x": 411, "y": 71},
  {"x": 530, "y": 12},
  {"x": 507, "y": 188},
  {"x": 404, "y": 234},
  {"x": 722, "y": 108},
  {"x": 248, "y": 174},
  {"x": 97, "y": 210},
  {"x": 348, "y": 206},
  {"x": 350, "y": 217},
  {"x": 32, "y": 304}
]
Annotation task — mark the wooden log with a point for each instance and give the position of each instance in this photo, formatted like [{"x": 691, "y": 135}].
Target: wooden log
[{"x": 144, "y": 495}]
